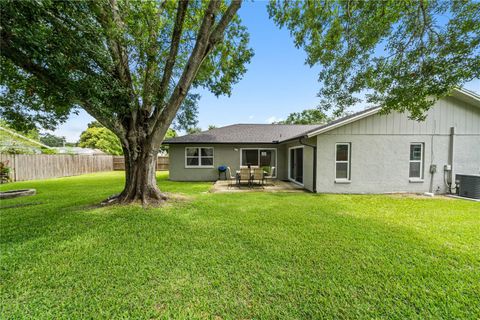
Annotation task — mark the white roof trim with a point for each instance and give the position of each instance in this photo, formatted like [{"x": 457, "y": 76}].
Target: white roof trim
[
  {"x": 344, "y": 122},
  {"x": 467, "y": 96}
]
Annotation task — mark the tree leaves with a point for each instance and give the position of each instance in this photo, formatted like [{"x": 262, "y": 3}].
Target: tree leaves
[
  {"x": 402, "y": 55},
  {"x": 99, "y": 137},
  {"x": 308, "y": 116},
  {"x": 106, "y": 57}
]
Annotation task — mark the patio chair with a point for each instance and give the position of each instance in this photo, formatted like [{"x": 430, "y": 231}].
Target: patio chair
[
  {"x": 258, "y": 176},
  {"x": 230, "y": 177},
  {"x": 245, "y": 175},
  {"x": 270, "y": 175}
]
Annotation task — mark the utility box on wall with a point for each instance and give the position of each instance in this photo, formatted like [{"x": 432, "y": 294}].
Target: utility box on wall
[{"x": 469, "y": 185}]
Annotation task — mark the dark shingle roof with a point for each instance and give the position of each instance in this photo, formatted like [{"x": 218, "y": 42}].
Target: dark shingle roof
[
  {"x": 246, "y": 133},
  {"x": 275, "y": 133},
  {"x": 260, "y": 133}
]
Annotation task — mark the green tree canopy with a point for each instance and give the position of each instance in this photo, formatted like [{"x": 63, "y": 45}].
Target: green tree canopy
[
  {"x": 171, "y": 133},
  {"x": 52, "y": 140},
  {"x": 402, "y": 55},
  {"x": 308, "y": 116},
  {"x": 95, "y": 124},
  {"x": 194, "y": 130},
  {"x": 101, "y": 138},
  {"x": 97, "y": 136}
]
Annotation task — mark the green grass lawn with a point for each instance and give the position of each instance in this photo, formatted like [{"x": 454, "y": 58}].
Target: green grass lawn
[{"x": 235, "y": 256}]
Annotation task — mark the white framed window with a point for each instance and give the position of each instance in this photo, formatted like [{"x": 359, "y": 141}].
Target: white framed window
[
  {"x": 198, "y": 157},
  {"x": 416, "y": 161},
  {"x": 259, "y": 157},
  {"x": 342, "y": 161}
]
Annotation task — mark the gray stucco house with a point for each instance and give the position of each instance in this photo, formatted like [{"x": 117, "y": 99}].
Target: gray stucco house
[{"x": 367, "y": 152}]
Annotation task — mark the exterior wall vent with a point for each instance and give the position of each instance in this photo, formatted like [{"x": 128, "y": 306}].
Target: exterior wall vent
[{"x": 469, "y": 185}]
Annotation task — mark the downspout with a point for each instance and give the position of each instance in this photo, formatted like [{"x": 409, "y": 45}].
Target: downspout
[
  {"x": 451, "y": 157},
  {"x": 314, "y": 161},
  {"x": 433, "y": 167}
]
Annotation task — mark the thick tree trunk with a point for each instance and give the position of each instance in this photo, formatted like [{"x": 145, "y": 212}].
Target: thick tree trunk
[{"x": 140, "y": 178}]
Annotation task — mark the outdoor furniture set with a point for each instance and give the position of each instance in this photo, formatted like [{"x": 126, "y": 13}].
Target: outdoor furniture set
[{"x": 250, "y": 175}]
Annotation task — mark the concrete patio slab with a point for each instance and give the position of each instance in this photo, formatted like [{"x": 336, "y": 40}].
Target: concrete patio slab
[{"x": 221, "y": 186}]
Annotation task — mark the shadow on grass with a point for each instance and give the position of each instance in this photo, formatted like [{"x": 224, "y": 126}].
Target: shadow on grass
[{"x": 232, "y": 256}]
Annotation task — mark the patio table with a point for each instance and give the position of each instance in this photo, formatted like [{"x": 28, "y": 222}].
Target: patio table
[{"x": 237, "y": 175}]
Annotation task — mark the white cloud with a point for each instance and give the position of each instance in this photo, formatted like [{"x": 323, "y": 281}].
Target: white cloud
[
  {"x": 251, "y": 117},
  {"x": 273, "y": 119},
  {"x": 74, "y": 126}
]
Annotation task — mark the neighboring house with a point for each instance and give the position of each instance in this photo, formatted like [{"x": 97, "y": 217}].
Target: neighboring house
[
  {"x": 366, "y": 152},
  {"x": 14, "y": 142},
  {"x": 79, "y": 151}
]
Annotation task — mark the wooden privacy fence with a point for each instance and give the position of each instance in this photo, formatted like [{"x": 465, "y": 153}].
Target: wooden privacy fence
[
  {"x": 119, "y": 163},
  {"x": 42, "y": 166}
]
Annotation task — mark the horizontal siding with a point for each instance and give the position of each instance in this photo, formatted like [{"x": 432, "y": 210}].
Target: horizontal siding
[{"x": 444, "y": 114}]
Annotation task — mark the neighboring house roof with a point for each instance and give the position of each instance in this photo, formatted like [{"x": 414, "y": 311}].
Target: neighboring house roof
[
  {"x": 14, "y": 135},
  {"x": 79, "y": 150},
  {"x": 13, "y": 142},
  {"x": 277, "y": 133},
  {"x": 245, "y": 133}
]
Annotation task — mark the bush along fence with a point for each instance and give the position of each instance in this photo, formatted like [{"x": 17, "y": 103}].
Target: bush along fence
[
  {"x": 119, "y": 163},
  {"x": 22, "y": 167}
]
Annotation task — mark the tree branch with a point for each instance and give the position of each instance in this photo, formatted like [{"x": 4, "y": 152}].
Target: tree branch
[
  {"x": 118, "y": 49},
  {"x": 119, "y": 55},
  {"x": 172, "y": 55},
  {"x": 23, "y": 61},
  {"x": 190, "y": 70},
  {"x": 219, "y": 31},
  {"x": 111, "y": 123},
  {"x": 206, "y": 41},
  {"x": 151, "y": 64}
]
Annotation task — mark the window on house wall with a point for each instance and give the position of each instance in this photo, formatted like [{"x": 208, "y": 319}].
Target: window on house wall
[
  {"x": 250, "y": 157},
  {"x": 199, "y": 157},
  {"x": 342, "y": 161},
  {"x": 416, "y": 161},
  {"x": 267, "y": 158},
  {"x": 258, "y": 157}
]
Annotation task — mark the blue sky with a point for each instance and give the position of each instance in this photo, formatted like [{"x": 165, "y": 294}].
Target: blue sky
[{"x": 277, "y": 81}]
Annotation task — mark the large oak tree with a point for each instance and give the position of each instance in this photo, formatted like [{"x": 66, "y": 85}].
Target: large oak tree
[
  {"x": 132, "y": 64},
  {"x": 129, "y": 64}
]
